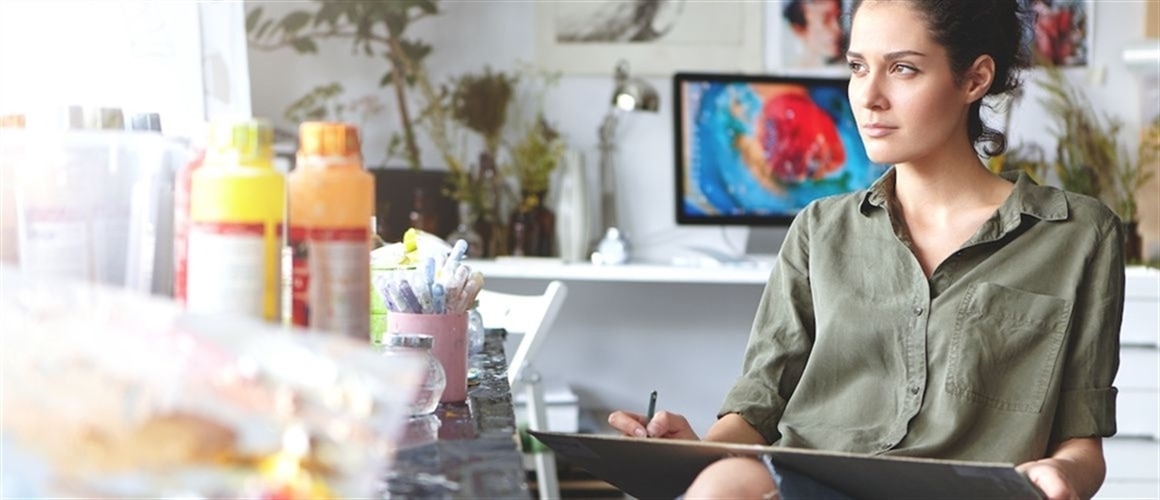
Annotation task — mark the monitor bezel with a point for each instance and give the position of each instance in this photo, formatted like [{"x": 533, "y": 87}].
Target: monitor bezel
[{"x": 680, "y": 78}]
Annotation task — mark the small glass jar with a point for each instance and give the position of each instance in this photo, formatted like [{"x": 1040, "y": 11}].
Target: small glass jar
[
  {"x": 474, "y": 330},
  {"x": 435, "y": 380}
]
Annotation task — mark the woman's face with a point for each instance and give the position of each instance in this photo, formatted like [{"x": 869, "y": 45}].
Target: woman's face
[{"x": 905, "y": 99}]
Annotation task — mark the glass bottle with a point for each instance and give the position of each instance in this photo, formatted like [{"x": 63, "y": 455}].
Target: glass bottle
[
  {"x": 413, "y": 344},
  {"x": 466, "y": 231},
  {"x": 475, "y": 330},
  {"x": 421, "y": 216},
  {"x": 533, "y": 227}
]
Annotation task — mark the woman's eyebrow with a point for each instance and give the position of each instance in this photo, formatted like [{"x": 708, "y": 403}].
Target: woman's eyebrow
[{"x": 890, "y": 56}]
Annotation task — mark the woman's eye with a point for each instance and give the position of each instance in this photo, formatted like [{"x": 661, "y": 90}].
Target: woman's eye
[
  {"x": 856, "y": 66},
  {"x": 905, "y": 69}
]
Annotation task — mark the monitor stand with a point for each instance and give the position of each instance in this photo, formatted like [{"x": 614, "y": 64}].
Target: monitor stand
[
  {"x": 764, "y": 243},
  {"x": 761, "y": 247}
]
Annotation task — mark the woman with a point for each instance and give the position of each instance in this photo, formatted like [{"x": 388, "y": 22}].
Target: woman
[{"x": 946, "y": 312}]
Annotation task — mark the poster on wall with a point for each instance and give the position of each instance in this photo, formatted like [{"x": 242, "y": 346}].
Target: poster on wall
[
  {"x": 1063, "y": 31},
  {"x": 810, "y": 36},
  {"x": 656, "y": 37},
  {"x": 807, "y": 36}
]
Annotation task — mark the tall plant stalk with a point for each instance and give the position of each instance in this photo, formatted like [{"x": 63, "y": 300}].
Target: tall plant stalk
[{"x": 374, "y": 27}]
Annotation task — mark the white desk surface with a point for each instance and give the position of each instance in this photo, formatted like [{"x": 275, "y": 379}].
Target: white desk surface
[
  {"x": 554, "y": 269},
  {"x": 1141, "y": 281}
]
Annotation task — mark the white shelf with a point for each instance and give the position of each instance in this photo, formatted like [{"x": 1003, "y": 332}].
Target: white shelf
[
  {"x": 552, "y": 269},
  {"x": 1141, "y": 282}
]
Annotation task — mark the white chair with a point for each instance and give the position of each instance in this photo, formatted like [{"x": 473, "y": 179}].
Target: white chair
[{"x": 532, "y": 316}]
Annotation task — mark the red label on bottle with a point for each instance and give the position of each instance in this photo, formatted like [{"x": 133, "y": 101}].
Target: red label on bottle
[
  {"x": 181, "y": 227},
  {"x": 227, "y": 268},
  {"x": 330, "y": 275}
]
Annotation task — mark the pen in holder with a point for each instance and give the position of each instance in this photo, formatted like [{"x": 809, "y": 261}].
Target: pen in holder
[{"x": 432, "y": 298}]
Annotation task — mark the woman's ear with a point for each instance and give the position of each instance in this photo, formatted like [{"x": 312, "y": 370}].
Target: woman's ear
[{"x": 979, "y": 77}]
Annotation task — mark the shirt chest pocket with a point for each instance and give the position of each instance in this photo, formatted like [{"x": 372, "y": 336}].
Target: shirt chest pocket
[{"x": 1004, "y": 347}]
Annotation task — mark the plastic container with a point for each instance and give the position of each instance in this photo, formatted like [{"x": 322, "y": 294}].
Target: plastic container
[
  {"x": 236, "y": 207},
  {"x": 434, "y": 380},
  {"x": 331, "y": 202},
  {"x": 475, "y": 330},
  {"x": 87, "y": 204}
]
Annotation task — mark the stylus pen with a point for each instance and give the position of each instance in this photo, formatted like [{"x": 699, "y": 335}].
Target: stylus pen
[{"x": 652, "y": 408}]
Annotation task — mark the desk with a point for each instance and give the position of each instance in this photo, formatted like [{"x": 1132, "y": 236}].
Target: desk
[
  {"x": 474, "y": 453},
  {"x": 551, "y": 269},
  {"x": 625, "y": 331}
]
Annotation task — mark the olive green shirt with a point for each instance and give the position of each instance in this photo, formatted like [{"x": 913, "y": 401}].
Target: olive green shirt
[{"x": 1008, "y": 348}]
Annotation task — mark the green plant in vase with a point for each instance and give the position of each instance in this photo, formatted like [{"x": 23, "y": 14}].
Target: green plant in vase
[
  {"x": 533, "y": 159},
  {"x": 479, "y": 102},
  {"x": 1090, "y": 159}
]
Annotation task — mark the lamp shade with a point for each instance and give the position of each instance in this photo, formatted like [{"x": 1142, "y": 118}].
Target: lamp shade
[{"x": 631, "y": 93}]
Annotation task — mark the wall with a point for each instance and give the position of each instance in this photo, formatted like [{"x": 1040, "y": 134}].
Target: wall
[
  {"x": 650, "y": 333},
  {"x": 470, "y": 35}
]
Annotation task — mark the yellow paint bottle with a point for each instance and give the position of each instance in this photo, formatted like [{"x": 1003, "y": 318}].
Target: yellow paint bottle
[{"x": 237, "y": 207}]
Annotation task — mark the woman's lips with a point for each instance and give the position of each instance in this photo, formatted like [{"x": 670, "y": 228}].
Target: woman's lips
[{"x": 876, "y": 130}]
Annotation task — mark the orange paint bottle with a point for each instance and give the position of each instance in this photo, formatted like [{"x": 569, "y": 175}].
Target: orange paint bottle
[{"x": 331, "y": 201}]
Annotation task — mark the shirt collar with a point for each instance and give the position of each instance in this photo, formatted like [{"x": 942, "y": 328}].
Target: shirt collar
[{"x": 1042, "y": 202}]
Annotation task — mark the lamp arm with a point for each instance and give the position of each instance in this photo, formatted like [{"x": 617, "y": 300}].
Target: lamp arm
[
  {"x": 607, "y": 134},
  {"x": 607, "y": 131}
]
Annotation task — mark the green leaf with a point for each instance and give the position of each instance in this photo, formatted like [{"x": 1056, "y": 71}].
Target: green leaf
[
  {"x": 427, "y": 6},
  {"x": 264, "y": 28},
  {"x": 328, "y": 14},
  {"x": 396, "y": 23},
  {"x": 252, "y": 19},
  {"x": 415, "y": 50},
  {"x": 304, "y": 46},
  {"x": 387, "y": 79},
  {"x": 295, "y": 21}
]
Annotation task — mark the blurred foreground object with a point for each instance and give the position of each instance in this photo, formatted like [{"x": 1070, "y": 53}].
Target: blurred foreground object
[{"x": 113, "y": 394}]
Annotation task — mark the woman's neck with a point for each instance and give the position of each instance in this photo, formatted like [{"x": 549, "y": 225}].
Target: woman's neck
[{"x": 949, "y": 183}]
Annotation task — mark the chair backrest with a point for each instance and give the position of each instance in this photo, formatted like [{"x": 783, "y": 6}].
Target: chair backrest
[{"x": 530, "y": 315}]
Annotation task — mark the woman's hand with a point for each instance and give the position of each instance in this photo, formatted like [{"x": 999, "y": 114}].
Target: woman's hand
[
  {"x": 664, "y": 424},
  {"x": 1050, "y": 477}
]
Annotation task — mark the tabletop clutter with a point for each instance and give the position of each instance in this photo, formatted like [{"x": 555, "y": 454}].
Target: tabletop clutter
[
  {"x": 135, "y": 397},
  {"x": 428, "y": 291}
]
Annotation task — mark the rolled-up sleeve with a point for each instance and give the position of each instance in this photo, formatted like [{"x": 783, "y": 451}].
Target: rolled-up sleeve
[
  {"x": 1087, "y": 400},
  {"x": 780, "y": 340}
]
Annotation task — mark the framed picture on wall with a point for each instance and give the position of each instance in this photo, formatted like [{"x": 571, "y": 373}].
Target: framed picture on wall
[
  {"x": 1063, "y": 30},
  {"x": 807, "y": 36},
  {"x": 657, "y": 38}
]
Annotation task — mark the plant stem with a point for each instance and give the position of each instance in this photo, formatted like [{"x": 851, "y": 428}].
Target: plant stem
[{"x": 398, "y": 59}]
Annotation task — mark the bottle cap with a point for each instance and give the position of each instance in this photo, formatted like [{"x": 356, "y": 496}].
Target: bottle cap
[
  {"x": 15, "y": 120},
  {"x": 145, "y": 121},
  {"x": 328, "y": 139},
  {"x": 411, "y": 340},
  {"x": 248, "y": 142},
  {"x": 94, "y": 118}
]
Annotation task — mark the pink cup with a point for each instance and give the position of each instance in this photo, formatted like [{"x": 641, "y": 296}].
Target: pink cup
[{"x": 450, "y": 333}]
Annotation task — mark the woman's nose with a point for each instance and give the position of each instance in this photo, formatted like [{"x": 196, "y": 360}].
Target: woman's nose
[{"x": 866, "y": 92}]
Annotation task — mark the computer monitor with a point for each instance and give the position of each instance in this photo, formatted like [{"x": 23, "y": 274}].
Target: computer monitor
[{"x": 755, "y": 149}]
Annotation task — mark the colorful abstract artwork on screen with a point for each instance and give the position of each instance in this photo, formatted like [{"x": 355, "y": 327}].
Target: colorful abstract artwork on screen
[{"x": 755, "y": 149}]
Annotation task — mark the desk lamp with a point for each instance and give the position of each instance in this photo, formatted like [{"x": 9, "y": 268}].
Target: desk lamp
[{"x": 628, "y": 95}]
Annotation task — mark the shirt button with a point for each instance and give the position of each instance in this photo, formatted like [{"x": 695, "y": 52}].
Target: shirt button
[
  {"x": 885, "y": 446},
  {"x": 914, "y": 389},
  {"x": 918, "y": 310}
]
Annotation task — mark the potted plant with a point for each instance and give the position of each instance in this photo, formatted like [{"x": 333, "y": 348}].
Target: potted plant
[
  {"x": 1090, "y": 158},
  {"x": 534, "y": 158}
]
